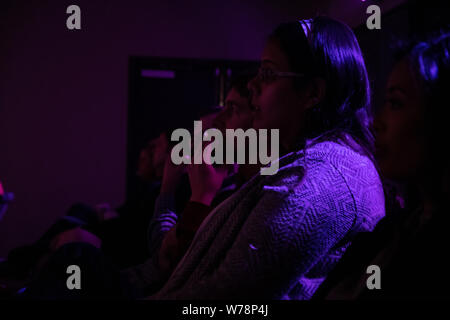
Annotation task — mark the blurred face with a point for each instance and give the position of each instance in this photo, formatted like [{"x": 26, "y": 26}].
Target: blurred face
[
  {"x": 208, "y": 120},
  {"x": 236, "y": 113},
  {"x": 399, "y": 126},
  {"x": 152, "y": 159},
  {"x": 277, "y": 104}
]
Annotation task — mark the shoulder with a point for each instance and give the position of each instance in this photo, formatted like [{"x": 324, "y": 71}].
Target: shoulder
[
  {"x": 336, "y": 154},
  {"x": 322, "y": 160},
  {"x": 331, "y": 176},
  {"x": 348, "y": 177},
  {"x": 330, "y": 157}
]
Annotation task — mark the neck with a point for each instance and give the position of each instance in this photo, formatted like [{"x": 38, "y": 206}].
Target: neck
[{"x": 425, "y": 196}]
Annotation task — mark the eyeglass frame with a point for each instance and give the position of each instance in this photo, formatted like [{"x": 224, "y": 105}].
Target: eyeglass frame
[{"x": 276, "y": 74}]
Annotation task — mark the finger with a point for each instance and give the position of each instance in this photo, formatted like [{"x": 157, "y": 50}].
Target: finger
[
  {"x": 198, "y": 152},
  {"x": 188, "y": 159},
  {"x": 207, "y": 158}
]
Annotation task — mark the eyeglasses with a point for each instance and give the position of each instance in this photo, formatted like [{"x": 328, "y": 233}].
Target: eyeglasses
[{"x": 267, "y": 75}]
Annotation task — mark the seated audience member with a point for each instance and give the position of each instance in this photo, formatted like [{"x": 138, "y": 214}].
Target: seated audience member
[
  {"x": 278, "y": 236},
  {"x": 5, "y": 198},
  {"x": 112, "y": 243},
  {"x": 410, "y": 246},
  {"x": 171, "y": 232},
  {"x": 127, "y": 226},
  {"x": 121, "y": 233}
]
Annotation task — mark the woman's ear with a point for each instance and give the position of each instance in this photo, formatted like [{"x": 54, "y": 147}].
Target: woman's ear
[{"x": 316, "y": 92}]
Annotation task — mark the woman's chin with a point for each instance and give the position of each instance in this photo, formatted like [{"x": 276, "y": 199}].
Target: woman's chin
[{"x": 258, "y": 124}]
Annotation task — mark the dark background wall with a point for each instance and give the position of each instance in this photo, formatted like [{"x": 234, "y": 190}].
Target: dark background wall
[{"x": 63, "y": 94}]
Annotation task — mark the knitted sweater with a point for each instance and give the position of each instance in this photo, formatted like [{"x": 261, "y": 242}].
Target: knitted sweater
[{"x": 278, "y": 236}]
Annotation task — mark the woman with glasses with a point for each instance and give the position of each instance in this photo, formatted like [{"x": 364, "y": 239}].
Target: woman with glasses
[{"x": 279, "y": 235}]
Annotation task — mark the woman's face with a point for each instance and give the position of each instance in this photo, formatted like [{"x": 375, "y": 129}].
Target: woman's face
[
  {"x": 277, "y": 104},
  {"x": 152, "y": 158},
  {"x": 236, "y": 114},
  {"x": 399, "y": 126}
]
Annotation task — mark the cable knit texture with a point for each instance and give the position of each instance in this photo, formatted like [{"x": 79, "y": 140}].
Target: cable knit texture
[{"x": 278, "y": 236}]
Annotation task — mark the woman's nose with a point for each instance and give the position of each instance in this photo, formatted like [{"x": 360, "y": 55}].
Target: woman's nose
[{"x": 254, "y": 87}]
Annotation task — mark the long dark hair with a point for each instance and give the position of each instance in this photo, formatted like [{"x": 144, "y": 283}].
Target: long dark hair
[{"x": 333, "y": 53}]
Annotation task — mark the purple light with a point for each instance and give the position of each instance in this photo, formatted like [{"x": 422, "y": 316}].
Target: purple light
[{"x": 160, "y": 74}]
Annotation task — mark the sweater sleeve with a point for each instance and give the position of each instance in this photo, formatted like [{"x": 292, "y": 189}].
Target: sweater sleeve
[
  {"x": 294, "y": 225},
  {"x": 193, "y": 215},
  {"x": 146, "y": 278},
  {"x": 163, "y": 219},
  {"x": 143, "y": 279}
]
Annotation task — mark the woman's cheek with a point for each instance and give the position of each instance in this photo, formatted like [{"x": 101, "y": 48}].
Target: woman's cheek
[
  {"x": 272, "y": 105},
  {"x": 405, "y": 151}
]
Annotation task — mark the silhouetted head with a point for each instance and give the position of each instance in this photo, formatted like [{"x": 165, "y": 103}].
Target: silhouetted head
[
  {"x": 152, "y": 158},
  {"x": 237, "y": 112}
]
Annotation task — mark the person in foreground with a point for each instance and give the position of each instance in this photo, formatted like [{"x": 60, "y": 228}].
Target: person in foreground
[{"x": 278, "y": 236}]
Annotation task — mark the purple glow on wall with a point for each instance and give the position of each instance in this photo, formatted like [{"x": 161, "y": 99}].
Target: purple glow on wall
[
  {"x": 51, "y": 161},
  {"x": 160, "y": 74}
]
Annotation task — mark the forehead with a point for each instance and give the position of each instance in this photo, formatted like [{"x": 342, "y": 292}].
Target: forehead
[{"x": 273, "y": 55}]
